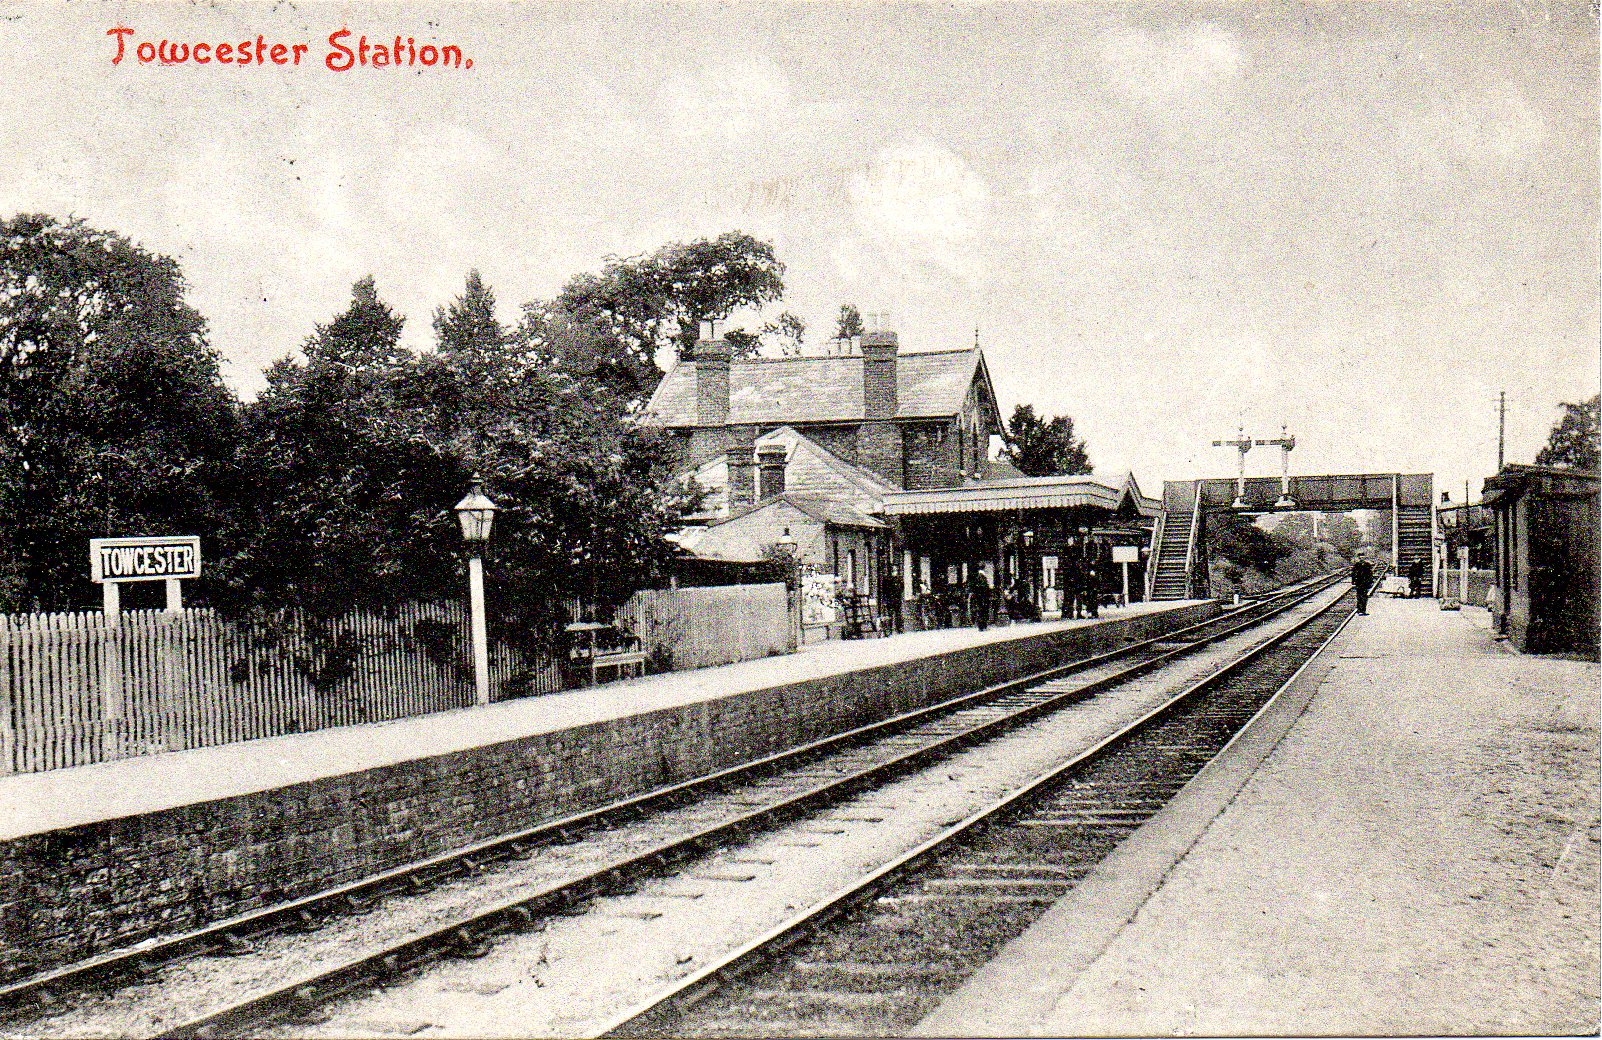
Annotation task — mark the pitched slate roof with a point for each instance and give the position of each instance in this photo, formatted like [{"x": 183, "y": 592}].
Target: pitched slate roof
[
  {"x": 818, "y": 389},
  {"x": 745, "y": 536},
  {"x": 810, "y": 470},
  {"x": 823, "y": 510},
  {"x": 813, "y": 470}
]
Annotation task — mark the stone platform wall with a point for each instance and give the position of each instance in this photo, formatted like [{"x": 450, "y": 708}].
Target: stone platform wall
[{"x": 69, "y": 894}]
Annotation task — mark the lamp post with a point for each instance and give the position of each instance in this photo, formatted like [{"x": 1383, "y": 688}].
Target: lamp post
[
  {"x": 477, "y": 514},
  {"x": 785, "y": 545}
]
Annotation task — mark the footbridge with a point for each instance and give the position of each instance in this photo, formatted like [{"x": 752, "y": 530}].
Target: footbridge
[{"x": 1179, "y": 539}]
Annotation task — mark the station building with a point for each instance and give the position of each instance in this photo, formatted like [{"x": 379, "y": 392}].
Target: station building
[
  {"x": 877, "y": 467},
  {"x": 1547, "y": 565}
]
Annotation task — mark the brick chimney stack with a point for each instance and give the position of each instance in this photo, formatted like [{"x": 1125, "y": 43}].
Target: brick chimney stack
[
  {"x": 879, "y": 440},
  {"x": 879, "y": 397},
  {"x": 712, "y": 382},
  {"x": 770, "y": 465},
  {"x": 742, "y": 476}
]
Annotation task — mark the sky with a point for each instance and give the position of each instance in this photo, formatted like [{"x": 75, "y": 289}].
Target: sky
[{"x": 1362, "y": 220}]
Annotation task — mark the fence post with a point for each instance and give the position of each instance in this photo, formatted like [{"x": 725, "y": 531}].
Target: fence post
[
  {"x": 8, "y": 699},
  {"x": 111, "y": 700}
]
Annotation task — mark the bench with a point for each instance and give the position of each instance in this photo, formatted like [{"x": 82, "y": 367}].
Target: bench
[
  {"x": 594, "y": 648},
  {"x": 623, "y": 660}
]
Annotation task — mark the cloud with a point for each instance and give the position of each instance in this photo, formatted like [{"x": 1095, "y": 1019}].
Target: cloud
[
  {"x": 921, "y": 204},
  {"x": 1163, "y": 68},
  {"x": 732, "y": 102}
]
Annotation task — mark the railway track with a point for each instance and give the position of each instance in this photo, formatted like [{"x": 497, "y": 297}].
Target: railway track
[
  {"x": 515, "y": 883},
  {"x": 877, "y": 956}
]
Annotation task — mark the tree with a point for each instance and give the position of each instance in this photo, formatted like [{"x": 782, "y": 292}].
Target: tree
[
  {"x": 743, "y": 343},
  {"x": 364, "y": 337},
  {"x": 1234, "y": 537},
  {"x": 790, "y": 331},
  {"x": 343, "y": 479},
  {"x": 645, "y": 304},
  {"x": 1343, "y": 533},
  {"x": 555, "y": 340},
  {"x": 467, "y": 329},
  {"x": 1297, "y": 528},
  {"x": 849, "y": 323},
  {"x": 1573, "y": 442},
  {"x": 1042, "y": 448},
  {"x": 362, "y": 483},
  {"x": 115, "y": 417}
]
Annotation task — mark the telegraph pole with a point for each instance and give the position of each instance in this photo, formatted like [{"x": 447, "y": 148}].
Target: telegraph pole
[{"x": 1501, "y": 428}]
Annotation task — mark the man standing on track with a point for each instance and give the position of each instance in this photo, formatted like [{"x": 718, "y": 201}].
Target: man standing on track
[{"x": 1362, "y": 579}]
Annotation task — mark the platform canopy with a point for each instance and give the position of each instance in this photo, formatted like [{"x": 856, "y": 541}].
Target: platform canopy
[{"x": 1114, "y": 494}]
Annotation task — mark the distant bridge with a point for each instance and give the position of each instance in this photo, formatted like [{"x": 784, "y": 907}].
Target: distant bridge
[{"x": 1179, "y": 540}]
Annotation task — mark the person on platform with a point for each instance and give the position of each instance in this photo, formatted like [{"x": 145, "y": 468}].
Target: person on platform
[
  {"x": 1092, "y": 573},
  {"x": 979, "y": 593},
  {"x": 1019, "y": 602},
  {"x": 1415, "y": 579},
  {"x": 1068, "y": 574},
  {"x": 1362, "y": 580}
]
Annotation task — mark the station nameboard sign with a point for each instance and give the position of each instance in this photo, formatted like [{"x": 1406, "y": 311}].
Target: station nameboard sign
[
  {"x": 144, "y": 559},
  {"x": 1126, "y": 554}
]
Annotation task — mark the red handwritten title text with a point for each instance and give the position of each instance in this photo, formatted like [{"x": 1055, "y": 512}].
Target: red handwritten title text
[{"x": 343, "y": 54}]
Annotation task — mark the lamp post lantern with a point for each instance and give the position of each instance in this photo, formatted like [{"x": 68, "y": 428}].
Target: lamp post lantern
[{"x": 477, "y": 515}]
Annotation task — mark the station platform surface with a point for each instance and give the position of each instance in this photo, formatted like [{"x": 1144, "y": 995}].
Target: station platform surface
[
  {"x": 33, "y": 803},
  {"x": 1409, "y": 846}
]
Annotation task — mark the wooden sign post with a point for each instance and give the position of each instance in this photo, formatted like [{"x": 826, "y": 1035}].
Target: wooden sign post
[
  {"x": 168, "y": 558},
  {"x": 1126, "y": 554},
  {"x": 112, "y": 561}
]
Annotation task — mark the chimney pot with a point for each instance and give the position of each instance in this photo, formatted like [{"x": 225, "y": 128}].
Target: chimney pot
[{"x": 770, "y": 466}]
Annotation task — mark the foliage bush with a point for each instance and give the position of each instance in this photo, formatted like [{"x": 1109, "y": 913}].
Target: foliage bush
[{"x": 333, "y": 490}]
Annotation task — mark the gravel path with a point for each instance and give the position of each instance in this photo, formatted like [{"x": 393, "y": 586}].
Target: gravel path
[{"x": 1419, "y": 856}]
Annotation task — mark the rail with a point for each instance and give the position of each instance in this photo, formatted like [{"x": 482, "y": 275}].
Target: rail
[
  {"x": 467, "y": 932},
  {"x": 658, "y": 1015}
]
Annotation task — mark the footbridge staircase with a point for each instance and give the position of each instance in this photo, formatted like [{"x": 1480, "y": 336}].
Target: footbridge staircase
[{"x": 1179, "y": 539}]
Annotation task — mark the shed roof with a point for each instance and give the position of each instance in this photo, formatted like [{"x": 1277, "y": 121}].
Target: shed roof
[
  {"x": 990, "y": 496},
  {"x": 1517, "y": 478}
]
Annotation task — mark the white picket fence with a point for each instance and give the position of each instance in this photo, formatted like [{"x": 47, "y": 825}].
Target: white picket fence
[
  {"x": 75, "y": 689},
  {"x": 718, "y": 624}
]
